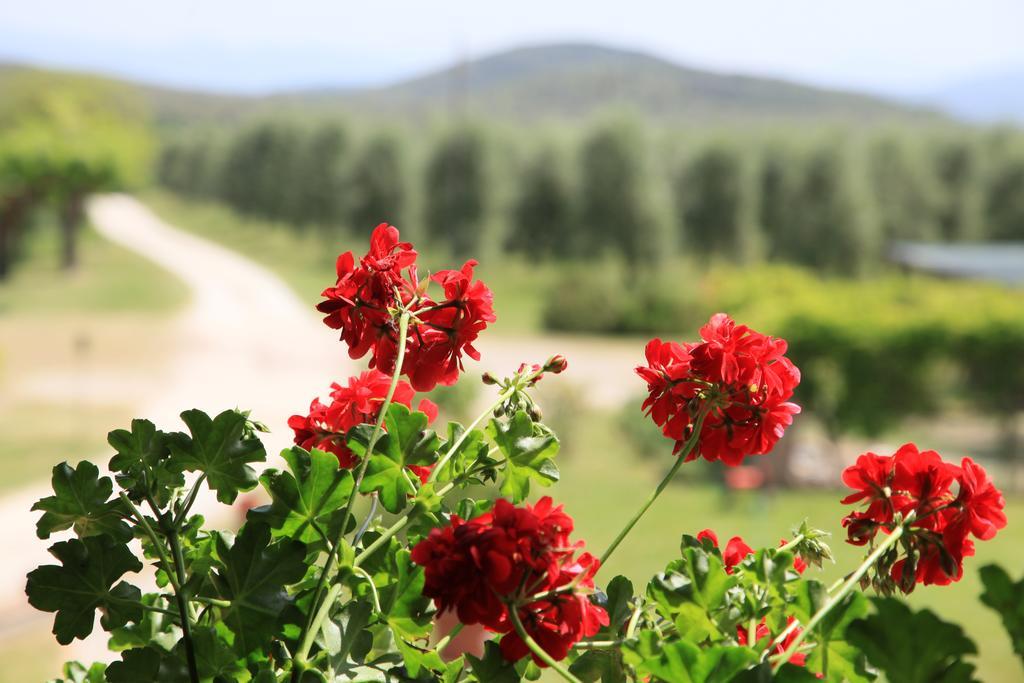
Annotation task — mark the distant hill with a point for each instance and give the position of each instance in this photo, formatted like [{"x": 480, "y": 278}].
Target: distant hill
[
  {"x": 552, "y": 82},
  {"x": 987, "y": 98},
  {"x": 572, "y": 81}
]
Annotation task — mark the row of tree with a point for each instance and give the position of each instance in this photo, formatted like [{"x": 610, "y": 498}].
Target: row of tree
[
  {"x": 832, "y": 203},
  {"x": 61, "y": 139}
]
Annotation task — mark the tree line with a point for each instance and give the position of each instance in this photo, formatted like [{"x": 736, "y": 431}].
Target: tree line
[
  {"x": 829, "y": 202},
  {"x": 63, "y": 138}
]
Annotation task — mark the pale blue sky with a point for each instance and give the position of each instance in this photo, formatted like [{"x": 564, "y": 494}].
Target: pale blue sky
[{"x": 889, "y": 46}]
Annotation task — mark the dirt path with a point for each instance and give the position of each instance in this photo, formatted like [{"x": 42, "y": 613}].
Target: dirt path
[{"x": 243, "y": 340}]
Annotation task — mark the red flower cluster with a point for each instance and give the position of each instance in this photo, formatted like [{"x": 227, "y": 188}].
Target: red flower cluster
[
  {"x": 738, "y": 378},
  {"x": 358, "y": 403},
  {"x": 363, "y": 301},
  {"x": 762, "y": 632},
  {"x": 514, "y": 558},
  {"x": 949, "y": 503},
  {"x": 736, "y": 550}
]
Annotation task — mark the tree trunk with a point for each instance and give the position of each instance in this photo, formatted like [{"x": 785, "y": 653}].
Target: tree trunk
[
  {"x": 71, "y": 219},
  {"x": 12, "y": 212}
]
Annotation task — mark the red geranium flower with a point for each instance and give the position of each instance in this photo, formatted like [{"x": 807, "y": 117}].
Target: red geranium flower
[
  {"x": 364, "y": 301},
  {"x": 359, "y": 402},
  {"x": 736, "y": 550},
  {"x": 945, "y": 503},
  {"x": 761, "y": 632},
  {"x": 739, "y": 379},
  {"x": 513, "y": 558}
]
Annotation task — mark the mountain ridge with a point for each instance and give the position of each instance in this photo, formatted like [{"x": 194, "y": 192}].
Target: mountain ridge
[{"x": 559, "y": 81}]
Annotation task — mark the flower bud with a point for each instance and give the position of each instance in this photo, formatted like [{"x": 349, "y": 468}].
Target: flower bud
[
  {"x": 489, "y": 379},
  {"x": 556, "y": 364},
  {"x": 535, "y": 414}
]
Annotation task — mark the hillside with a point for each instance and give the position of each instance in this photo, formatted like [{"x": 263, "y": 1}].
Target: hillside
[
  {"x": 571, "y": 81},
  {"x": 546, "y": 82}
]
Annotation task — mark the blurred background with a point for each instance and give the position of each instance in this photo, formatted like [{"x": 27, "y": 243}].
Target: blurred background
[{"x": 176, "y": 182}]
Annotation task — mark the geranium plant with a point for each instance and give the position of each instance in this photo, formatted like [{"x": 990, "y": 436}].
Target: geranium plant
[{"x": 394, "y": 549}]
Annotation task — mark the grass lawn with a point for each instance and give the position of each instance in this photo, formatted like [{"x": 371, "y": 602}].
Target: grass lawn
[{"x": 602, "y": 486}]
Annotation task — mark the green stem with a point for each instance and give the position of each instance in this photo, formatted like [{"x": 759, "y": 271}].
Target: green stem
[
  {"x": 310, "y": 634},
  {"x": 443, "y": 643},
  {"x": 537, "y": 649},
  {"x": 688, "y": 447},
  {"x": 316, "y": 615},
  {"x": 436, "y": 470},
  {"x": 157, "y": 545},
  {"x": 182, "y": 600},
  {"x": 190, "y": 499},
  {"x": 792, "y": 544},
  {"x": 406, "y": 517},
  {"x": 846, "y": 588},
  {"x": 597, "y": 644}
]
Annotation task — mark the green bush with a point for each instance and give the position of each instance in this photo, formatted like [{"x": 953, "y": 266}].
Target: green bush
[{"x": 604, "y": 300}]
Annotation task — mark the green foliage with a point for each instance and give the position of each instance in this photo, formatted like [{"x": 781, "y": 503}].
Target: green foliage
[
  {"x": 84, "y": 582},
  {"x": 718, "y": 205},
  {"x": 905, "y": 191},
  {"x": 304, "y": 502},
  {"x": 542, "y": 220},
  {"x": 1005, "y": 202},
  {"x": 529, "y": 449},
  {"x": 457, "y": 192},
  {"x": 604, "y": 300},
  {"x": 902, "y": 644},
  {"x": 377, "y": 184},
  {"x": 1006, "y": 597},
  {"x": 221, "y": 449},
  {"x": 143, "y": 464},
  {"x": 253, "y": 578},
  {"x": 406, "y": 442},
  {"x": 614, "y": 199},
  {"x": 81, "y": 500}
]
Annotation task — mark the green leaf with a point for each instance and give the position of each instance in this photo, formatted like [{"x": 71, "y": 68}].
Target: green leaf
[
  {"x": 843, "y": 661},
  {"x": 215, "y": 659},
  {"x": 912, "y": 647},
  {"x": 492, "y": 667},
  {"x": 604, "y": 665},
  {"x": 83, "y": 583},
  {"x": 617, "y": 603},
  {"x": 152, "y": 628},
  {"x": 472, "y": 451},
  {"x": 385, "y": 473},
  {"x": 76, "y": 672},
  {"x": 529, "y": 448},
  {"x": 403, "y": 602},
  {"x": 253, "y": 579},
  {"x": 1006, "y": 597},
  {"x": 680, "y": 661},
  {"x": 221, "y": 449},
  {"x": 306, "y": 497},
  {"x": 143, "y": 462},
  {"x": 147, "y": 664},
  {"x": 697, "y": 577},
  {"x": 406, "y": 441},
  {"x": 409, "y": 432},
  {"x": 81, "y": 501}
]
